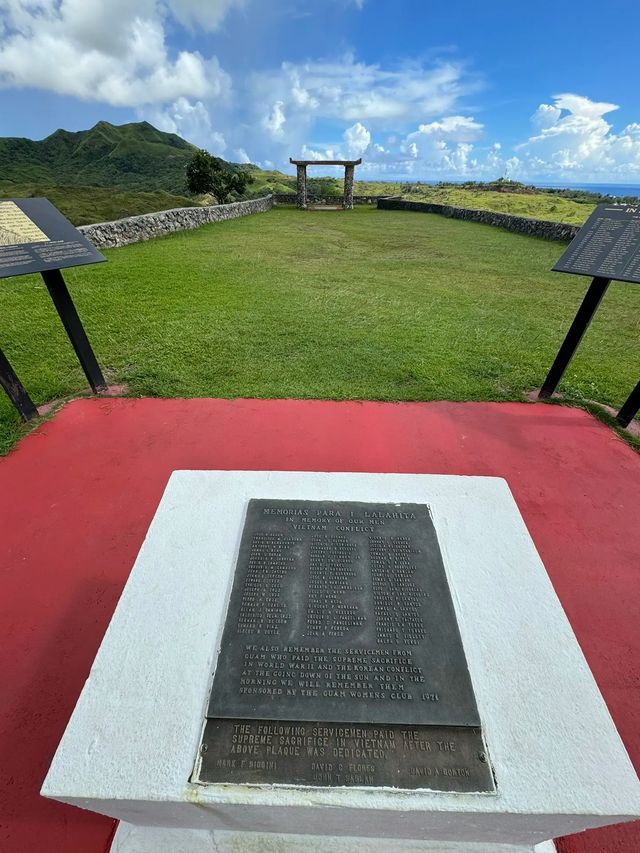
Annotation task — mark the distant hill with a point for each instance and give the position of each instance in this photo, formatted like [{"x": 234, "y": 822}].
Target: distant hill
[
  {"x": 111, "y": 171},
  {"x": 134, "y": 157},
  {"x": 85, "y": 205}
]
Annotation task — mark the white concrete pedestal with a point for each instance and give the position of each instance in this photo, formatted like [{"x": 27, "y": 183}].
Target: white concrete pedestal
[
  {"x": 130, "y": 745},
  {"x": 143, "y": 839}
]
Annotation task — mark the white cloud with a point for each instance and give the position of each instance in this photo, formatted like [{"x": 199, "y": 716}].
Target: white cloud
[
  {"x": 357, "y": 98},
  {"x": 546, "y": 116},
  {"x": 191, "y": 121},
  {"x": 328, "y": 153},
  {"x": 574, "y": 140},
  {"x": 357, "y": 139},
  {"x": 581, "y": 106},
  {"x": 275, "y": 120},
  {"x": 100, "y": 51},
  {"x": 454, "y": 128},
  {"x": 571, "y": 138},
  {"x": 203, "y": 14},
  {"x": 300, "y": 96},
  {"x": 217, "y": 144},
  {"x": 443, "y": 147},
  {"x": 352, "y": 91},
  {"x": 439, "y": 149}
]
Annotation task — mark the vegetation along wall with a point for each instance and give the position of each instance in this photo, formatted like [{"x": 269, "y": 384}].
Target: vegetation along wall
[
  {"x": 519, "y": 224},
  {"x": 290, "y": 198}
]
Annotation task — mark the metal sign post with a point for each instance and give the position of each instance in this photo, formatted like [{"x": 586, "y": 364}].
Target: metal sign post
[
  {"x": 607, "y": 247},
  {"x": 580, "y": 324},
  {"x": 75, "y": 330},
  {"x": 36, "y": 237},
  {"x": 15, "y": 390},
  {"x": 630, "y": 408}
]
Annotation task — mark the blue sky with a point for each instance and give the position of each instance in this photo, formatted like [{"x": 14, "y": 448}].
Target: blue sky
[{"x": 420, "y": 90}]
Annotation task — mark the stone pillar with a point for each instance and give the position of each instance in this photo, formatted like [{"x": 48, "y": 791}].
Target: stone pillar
[
  {"x": 301, "y": 198},
  {"x": 348, "y": 187}
]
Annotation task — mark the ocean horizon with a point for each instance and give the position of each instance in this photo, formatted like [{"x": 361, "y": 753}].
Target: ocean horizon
[{"x": 603, "y": 189}]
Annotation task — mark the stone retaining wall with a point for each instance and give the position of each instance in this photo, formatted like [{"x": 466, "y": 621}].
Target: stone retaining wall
[
  {"x": 519, "y": 224},
  {"x": 290, "y": 198},
  {"x": 134, "y": 229}
]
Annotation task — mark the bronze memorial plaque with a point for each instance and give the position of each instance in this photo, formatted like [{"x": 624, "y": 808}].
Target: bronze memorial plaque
[{"x": 341, "y": 661}]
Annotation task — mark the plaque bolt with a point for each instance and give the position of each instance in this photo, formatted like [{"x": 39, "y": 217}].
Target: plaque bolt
[
  {"x": 482, "y": 757},
  {"x": 204, "y": 747}
]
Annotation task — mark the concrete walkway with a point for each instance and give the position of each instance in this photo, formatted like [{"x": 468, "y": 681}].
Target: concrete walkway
[{"x": 77, "y": 495}]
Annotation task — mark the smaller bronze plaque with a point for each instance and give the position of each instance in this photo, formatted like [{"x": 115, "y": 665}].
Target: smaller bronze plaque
[{"x": 440, "y": 758}]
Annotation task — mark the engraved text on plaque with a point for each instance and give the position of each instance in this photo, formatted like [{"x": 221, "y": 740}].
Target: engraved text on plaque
[{"x": 341, "y": 659}]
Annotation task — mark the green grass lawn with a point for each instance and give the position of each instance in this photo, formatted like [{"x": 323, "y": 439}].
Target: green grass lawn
[{"x": 382, "y": 305}]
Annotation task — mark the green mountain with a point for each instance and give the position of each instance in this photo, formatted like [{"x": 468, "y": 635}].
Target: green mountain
[
  {"x": 111, "y": 171},
  {"x": 134, "y": 157}
]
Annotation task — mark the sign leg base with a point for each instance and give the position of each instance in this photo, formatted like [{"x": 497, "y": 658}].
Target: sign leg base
[
  {"x": 16, "y": 391},
  {"x": 75, "y": 330},
  {"x": 580, "y": 324},
  {"x": 630, "y": 408}
]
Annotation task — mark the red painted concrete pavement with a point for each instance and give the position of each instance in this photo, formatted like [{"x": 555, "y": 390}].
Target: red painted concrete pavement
[{"x": 77, "y": 496}]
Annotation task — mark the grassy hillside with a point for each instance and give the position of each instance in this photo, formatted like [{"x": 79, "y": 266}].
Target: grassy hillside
[
  {"x": 84, "y": 205},
  {"x": 269, "y": 181},
  {"x": 134, "y": 157},
  {"x": 536, "y": 204}
]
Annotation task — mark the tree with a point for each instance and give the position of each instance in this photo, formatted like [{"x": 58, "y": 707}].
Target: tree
[
  {"x": 207, "y": 174},
  {"x": 323, "y": 187}
]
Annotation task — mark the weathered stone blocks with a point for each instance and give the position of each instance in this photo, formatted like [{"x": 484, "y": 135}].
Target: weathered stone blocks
[{"x": 134, "y": 229}]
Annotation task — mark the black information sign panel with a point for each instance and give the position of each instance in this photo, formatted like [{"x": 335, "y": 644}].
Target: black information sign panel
[
  {"x": 607, "y": 246},
  {"x": 35, "y": 237},
  {"x": 341, "y": 660}
]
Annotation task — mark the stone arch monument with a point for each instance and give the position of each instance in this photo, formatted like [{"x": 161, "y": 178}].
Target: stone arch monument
[{"x": 349, "y": 169}]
